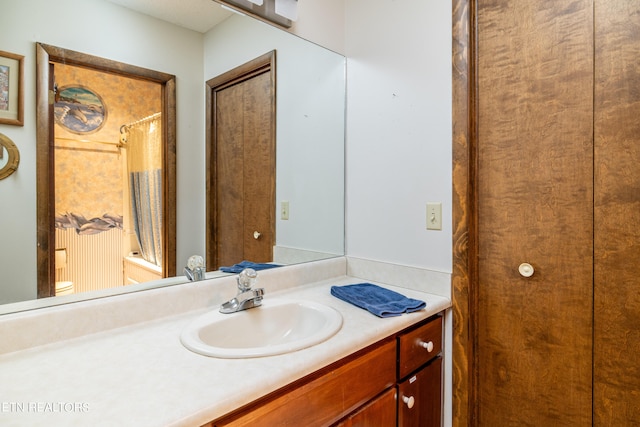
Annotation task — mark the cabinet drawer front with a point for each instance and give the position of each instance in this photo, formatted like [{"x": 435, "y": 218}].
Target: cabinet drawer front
[
  {"x": 413, "y": 353},
  {"x": 325, "y": 399},
  {"x": 419, "y": 397}
]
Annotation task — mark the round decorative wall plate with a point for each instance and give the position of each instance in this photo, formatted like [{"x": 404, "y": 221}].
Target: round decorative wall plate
[{"x": 79, "y": 109}]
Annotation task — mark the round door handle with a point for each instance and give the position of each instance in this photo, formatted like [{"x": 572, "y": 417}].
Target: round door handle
[
  {"x": 426, "y": 345},
  {"x": 256, "y": 235},
  {"x": 409, "y": 401},
  {"x": 526, "y": 269}
]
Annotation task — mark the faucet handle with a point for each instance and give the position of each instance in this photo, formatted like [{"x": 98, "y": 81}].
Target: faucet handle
[
  {"x": 246, "y": 279},
  {"x": 194, "y": 262}
]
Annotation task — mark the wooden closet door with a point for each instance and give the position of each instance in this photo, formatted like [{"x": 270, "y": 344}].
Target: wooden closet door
[
  {"x": 617, "y": 214},
  {"x": 533, "y": 349},
  {"x": 243, "y": 213}
]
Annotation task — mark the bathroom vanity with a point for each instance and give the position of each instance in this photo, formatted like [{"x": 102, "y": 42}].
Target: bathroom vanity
[
  {"x": 398, "y": 378},
  {"x": 120, "y": 361}
]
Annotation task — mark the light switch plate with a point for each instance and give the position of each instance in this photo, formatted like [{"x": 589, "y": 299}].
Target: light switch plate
[
  {"x": 434, "y": 216},
  {"x": 284, "y": 210}
]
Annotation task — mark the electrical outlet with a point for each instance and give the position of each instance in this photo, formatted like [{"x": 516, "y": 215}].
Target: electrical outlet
[
  {"x": 434, "y": 216},
  {"x": 284, "y": 210}
]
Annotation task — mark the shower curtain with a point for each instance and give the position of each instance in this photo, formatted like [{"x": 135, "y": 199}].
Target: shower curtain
[{"x": 144, "y": 164}]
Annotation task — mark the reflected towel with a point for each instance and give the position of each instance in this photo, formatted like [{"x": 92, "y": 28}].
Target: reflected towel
[
  {"x": 237, "y": 268},
  {"x": 379, "y": 301}
]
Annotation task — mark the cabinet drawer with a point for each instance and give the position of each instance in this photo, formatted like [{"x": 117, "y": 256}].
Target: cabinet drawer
[
  {"x": 418, "y": 346},
  {"x": 325, "y": 399}
]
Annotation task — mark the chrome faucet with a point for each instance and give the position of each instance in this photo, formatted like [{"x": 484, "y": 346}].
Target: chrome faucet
[
  {"x": 246, "y": 297},
  {"x": 195, "y": 268}
]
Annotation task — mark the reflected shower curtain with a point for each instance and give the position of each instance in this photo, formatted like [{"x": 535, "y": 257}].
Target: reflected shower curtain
[{"x": 144, "y": 164}]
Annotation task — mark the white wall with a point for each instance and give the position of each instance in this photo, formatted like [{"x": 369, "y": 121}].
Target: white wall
[
  {"x": 399, "y": 137},
  {"x": 102, "y": 29},
  {"x": 398, "y": 130},
  {"x": 323, "y": 22}
]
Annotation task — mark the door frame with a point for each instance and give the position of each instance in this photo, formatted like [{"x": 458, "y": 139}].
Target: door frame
[
  {"x": 45, "y": 56},
  {"x": 261, "y": 64},
  {"x": 464, "y": 280}
]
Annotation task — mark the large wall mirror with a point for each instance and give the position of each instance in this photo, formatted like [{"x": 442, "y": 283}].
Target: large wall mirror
[{"x": 310, "y": 93}]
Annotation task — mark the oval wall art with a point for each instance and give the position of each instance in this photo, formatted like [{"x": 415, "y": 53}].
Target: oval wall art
[{"x": 79, "y": 109}]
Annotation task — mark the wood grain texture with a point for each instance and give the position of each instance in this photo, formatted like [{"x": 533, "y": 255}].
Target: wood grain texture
[
  {"x": 617, "y": 213},
  {"x": 259, "y": 170},
  {"x": 425, "y": 388},
  {"x": 45, "y": 214},
  {"x": 535, "y": 167},
  {"x": 461, "y": 209},
  {"x": 241, "y": 143},
  {"x": 411, "y": 354},
  {"x": 170, "y": 182},
  {"x": 326, "y": 397},
  {"x": 380, "y": 412},
  {"x": 229, "y": 179}
]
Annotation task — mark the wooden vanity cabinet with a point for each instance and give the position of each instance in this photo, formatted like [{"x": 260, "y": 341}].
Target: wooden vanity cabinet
[
  {"x": 420, "y": 375},
  {"x": 425, "y": 386},
  {"x": 323, "y": 398},
  {"x": 381, "y": 412},
  {"x": 365, "y": 389}
]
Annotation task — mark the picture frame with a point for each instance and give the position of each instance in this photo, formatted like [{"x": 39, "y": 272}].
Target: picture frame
[
  {"x": 79, "y": 109},
  {"x": 11, "y": 89}
]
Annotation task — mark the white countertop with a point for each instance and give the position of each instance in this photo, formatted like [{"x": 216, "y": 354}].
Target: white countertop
[{"x": 142, "y": 375}]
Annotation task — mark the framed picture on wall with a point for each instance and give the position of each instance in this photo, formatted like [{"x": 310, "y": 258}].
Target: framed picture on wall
[
  {"x": 11, "y": 91},
  {"x": 79, "y": 109}
]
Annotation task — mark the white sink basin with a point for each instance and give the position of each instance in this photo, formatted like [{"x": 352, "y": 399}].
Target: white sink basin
[{"x": 278, "y": 326}]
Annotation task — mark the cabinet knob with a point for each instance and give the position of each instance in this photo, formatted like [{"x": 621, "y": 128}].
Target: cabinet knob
[
  {"x": 426, "y": 345},
  {"x": 526, "y": 269},
  {"x": 409, "y": 401},
  {"x": 256, "y": 235}
]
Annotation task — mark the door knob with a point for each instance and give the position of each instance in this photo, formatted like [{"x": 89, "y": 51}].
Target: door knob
[
  {"x": 256, "y": 235},
  {"x": 526, "y": 269}
]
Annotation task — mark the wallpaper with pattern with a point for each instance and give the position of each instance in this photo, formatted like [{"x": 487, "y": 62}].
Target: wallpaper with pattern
[{"x": 90, "y": 177}]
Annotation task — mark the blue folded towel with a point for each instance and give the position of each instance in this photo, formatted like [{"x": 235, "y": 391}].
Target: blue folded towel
[
  {"x": 379, "y": 301},
  {"x": 237, "y": 268}
]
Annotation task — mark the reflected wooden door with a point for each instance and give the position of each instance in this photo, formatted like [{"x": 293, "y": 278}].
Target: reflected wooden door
[
  {"x": 533, "y": 350},
  {"x": 241, "y": 189}
]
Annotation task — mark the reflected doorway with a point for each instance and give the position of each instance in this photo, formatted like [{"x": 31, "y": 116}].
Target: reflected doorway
[
  {"x": 241, "y": 164},
  {"x": 89, "y": 175}
]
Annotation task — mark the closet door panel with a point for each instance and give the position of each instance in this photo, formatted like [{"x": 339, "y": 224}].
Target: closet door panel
[
  {"x": 533, "y": 349},
  {"x": 617, "y": 213}
]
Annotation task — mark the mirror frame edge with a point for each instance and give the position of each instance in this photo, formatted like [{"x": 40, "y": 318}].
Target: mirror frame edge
[{"x": 45, "y": 54}]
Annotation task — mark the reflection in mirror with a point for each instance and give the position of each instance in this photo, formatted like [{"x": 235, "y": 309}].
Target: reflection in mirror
[
  {"x": 110, "y": 192},
  {"x": 309, "y": 129},
  {"x": 309, "y": 134},
  {"x": 108, "y": 175}
]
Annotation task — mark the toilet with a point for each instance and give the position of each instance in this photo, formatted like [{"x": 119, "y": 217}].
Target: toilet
[{"x": 62, "y": 287}]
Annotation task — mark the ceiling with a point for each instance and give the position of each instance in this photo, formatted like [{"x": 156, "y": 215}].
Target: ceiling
[{"x": 197, "y": 15}]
